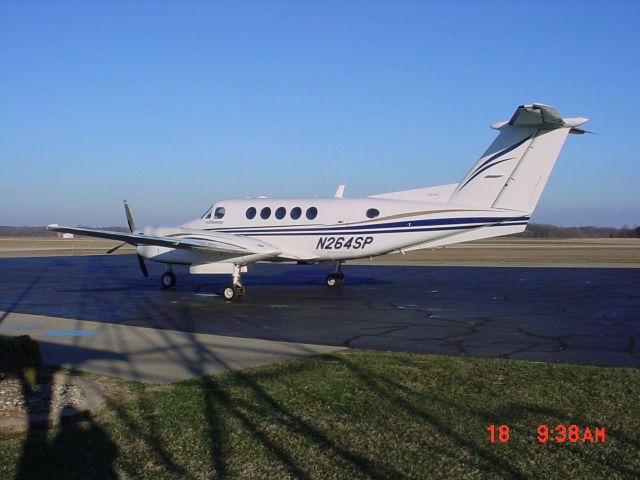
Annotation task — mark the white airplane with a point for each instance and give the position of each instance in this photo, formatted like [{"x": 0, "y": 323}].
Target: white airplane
[{"x": 496, "y": 197}]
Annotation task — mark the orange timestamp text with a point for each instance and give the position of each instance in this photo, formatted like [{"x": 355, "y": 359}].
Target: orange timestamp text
[{"x": 559, "y": 433}]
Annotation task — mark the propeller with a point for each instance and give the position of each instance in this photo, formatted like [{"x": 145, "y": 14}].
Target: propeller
[
  {"x": 132, "y": 227},
  {"x": 143, "y": 267},
  {"x": 127, "y": 212},
  {"x": 111, "y": 250}
]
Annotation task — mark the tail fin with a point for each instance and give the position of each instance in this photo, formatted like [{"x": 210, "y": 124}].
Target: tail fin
[{"x": 514, "y": 170}]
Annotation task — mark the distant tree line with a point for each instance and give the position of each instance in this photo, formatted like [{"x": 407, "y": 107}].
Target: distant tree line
[
  {"x": 534, "y": 230},
  {"x": 540, "y": 230}
]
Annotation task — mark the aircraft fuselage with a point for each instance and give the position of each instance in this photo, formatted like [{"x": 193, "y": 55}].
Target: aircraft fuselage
[{"x": 331, "y": 229}]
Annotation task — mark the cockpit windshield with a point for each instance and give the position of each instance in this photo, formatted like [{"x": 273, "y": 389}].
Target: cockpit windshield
[{"x": 207, "y": 214}]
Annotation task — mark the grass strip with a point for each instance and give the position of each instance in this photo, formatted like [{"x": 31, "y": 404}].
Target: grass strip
[{"x": 354, "y": 414}]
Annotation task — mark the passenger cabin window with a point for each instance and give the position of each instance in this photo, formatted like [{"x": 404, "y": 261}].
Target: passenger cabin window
[
  {"x": 312, "y": 212},
  {"x": 251, "y": 213},
  {"x": 265, "y": 213},
  {"x": 373, "y": 213},
  {"x": 219, "y": 213},
  {"x": 280, "y": 213},
  {"x": 296, "y": 213}
]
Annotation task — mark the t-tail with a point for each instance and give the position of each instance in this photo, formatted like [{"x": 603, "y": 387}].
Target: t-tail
[{"x": 513, "y": 172}]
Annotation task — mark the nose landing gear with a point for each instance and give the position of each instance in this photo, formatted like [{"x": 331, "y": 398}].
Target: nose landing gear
[
  {"x": 236, "y": 289},
  {"x": 335, "y": 279}
]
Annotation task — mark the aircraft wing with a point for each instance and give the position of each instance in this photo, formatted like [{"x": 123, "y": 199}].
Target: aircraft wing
[{"x": 222, "y": 243}]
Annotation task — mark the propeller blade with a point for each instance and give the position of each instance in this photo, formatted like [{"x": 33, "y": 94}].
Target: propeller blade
[
  {"x": 116, "y": 248},
  {"x": 132, "y": 227},
  {"x": 143, "y": 267},
  {"x": 127, "y": 212}
]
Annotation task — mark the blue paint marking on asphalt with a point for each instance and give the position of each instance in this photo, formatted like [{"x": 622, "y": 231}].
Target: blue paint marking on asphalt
[{"x": 71, "y": 333}]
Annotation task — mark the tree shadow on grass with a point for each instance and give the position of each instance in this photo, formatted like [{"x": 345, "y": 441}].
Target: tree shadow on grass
[
  {"x": 79, "y": 449},
  {"x": 517, "y": 413}
]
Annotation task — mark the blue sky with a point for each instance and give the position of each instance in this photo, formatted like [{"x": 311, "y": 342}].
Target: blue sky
[{"x": 174, "y": 105}]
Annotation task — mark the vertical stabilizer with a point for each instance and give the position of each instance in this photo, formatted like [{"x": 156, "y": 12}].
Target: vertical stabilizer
[
  {"x": 513, "y": 171},
  {"x": 524, "y": 186}
]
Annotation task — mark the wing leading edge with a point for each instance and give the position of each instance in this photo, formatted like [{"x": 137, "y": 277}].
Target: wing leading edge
[{"x": 225, "y": 243}]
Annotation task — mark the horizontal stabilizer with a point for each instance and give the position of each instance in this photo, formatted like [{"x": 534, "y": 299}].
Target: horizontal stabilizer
[{"x": 541, "y": 117}]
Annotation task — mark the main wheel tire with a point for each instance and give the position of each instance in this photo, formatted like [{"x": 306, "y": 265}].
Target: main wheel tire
[
  {"x": 230, "y": 293},
  {"x": 333, "y": 280},
  {"x": 168, "y": 280}
]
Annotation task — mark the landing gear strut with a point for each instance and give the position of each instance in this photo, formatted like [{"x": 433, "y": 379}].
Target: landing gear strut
[
  {"x": 236, "y": 289},
  {"x": 335, "y": 279},
  {"x": 168, "y": 279}
]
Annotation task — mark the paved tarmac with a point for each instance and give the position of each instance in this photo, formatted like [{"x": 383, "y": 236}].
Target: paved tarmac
[
  {"x": 577, "y": 315},
  {"x": 147, "y": 354}
]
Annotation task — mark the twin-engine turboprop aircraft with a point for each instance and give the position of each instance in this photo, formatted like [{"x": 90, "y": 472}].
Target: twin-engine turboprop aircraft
[{"x": 496, "y": 197}]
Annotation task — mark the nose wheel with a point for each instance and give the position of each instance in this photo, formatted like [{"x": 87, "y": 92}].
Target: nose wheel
[
  {"x": 168, "y": 279},
  {"x": 232, "y": 292},
  {"x": 335, "y": 279}
]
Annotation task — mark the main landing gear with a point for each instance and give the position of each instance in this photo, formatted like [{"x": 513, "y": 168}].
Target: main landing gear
[
  {"x": 335, "y": 279},
  {"x": 236, "y": 289},
  {"x": 168, "y": 279}
]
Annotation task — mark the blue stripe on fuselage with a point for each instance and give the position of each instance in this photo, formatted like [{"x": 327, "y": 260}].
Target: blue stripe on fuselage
[
  {"x": 373, "y": 232},
  {"x": 364, "y": 228},
  {"x": 406, "y": 229}
]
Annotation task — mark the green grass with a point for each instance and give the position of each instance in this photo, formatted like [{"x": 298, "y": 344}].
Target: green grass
[{"x": 355, "y": 414}]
